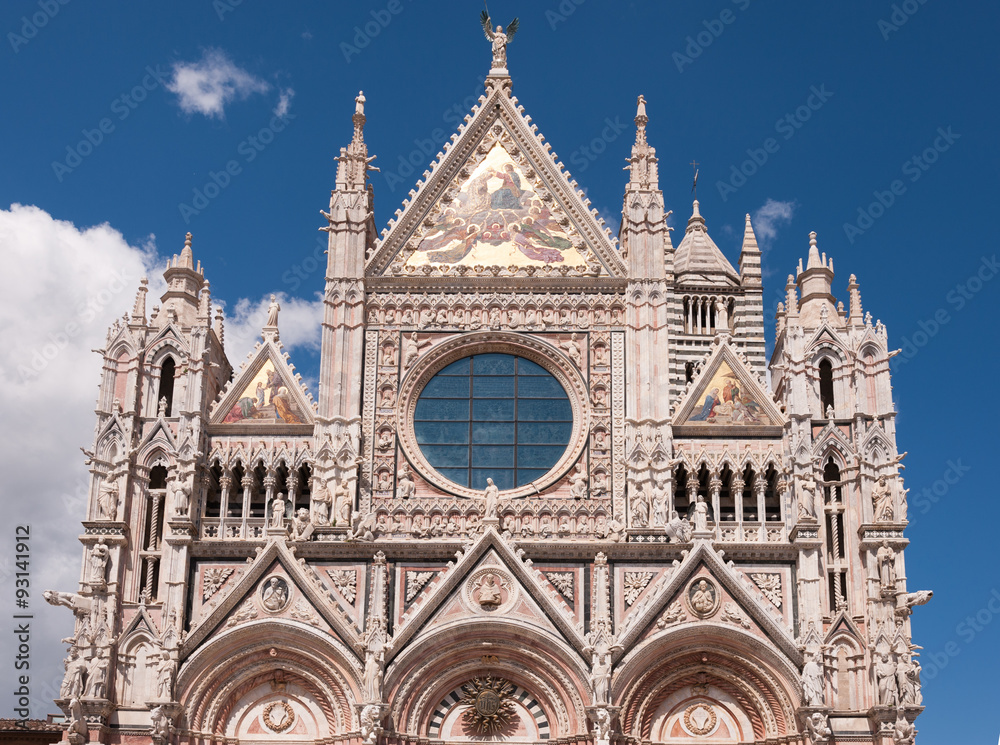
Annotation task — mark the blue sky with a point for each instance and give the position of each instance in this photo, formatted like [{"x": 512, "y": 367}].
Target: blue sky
[{"x": 871, "y": 123}]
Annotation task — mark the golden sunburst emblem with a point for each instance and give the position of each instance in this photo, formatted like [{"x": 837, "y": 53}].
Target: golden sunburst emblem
[{"x": 490, "y": 709}]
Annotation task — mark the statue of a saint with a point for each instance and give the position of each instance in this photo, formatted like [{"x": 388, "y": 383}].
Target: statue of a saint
[
  {"x": 182, "y": 499},
  {"x": 322, "y": 502},
  {"x": 600, "y": 676},
  {"x": 107, "y": 500},
  {"x": 578, "y": 482},
  {"x": 721, "y": 317},
  {"x": 886, "y": 558},
  {"x": 404, "y": 483},
  {"x": 700, "y": 515},
  {"x": 640, "y": 507},
  {"x": 99, "y": 556},
  {"x": 703, "y": 598},
  {"x": 488, "y": 594},
  {"x": 97, "y": 677},
  {"x": 275, "y": 595},
  {"x": 812, "y": 682},
  {"x": 411, "y": 349},
  {"x": 491, "y": 500},
  {"x": 885, "y": 676},
  {"x": 882, "y": 500},
  {"x": 278, "y": 511},
  {"x": 272, "y": 313},
  {"x": 302, "y": 526}
]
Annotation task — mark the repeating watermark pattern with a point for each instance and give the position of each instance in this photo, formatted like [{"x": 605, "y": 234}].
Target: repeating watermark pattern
[
  {"x": 21, "y": 620},
  {"x": 364, "y": 34},
  {"x": 930, "y": 495},
  {"x": 31, "y": 25},
  {"x": 563, "y": 11},
  {"x": 901, "y": 13},
  {"x": 426, "y": 147},
  {"x": 304, "y": 269},
  {"x": 957, "y": 297},
  {"x": 122, "y": 107},
  {"x": 219, "y": 180},
  {"x": 966, "y": 630},
  {"x": 222, "y": 7},
  {"x": 85, "y": 313},
  {"x": 582, "y": 157},
  {"x": 714, "y": 28},
  {"x": 913, "y": 168},
  {"x": 786, "y": 126}
]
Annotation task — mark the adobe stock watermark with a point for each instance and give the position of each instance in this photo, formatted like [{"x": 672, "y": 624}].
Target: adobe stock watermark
[
  {"x": 958, "y": 297},
  {"x": 930, "y": 495},
  {"x": 913, "y": 168},
  {"x": 364, "y": 34},
  {"x": 249, "y": 149},
  {"x": 901, "y": 13},
  {"x": 563, "y": 11},
  {"x": 966, "y": 630},
  {"x": 121, "y": 106},
  {"x": 50, "y": 347},
  {"x": 426, "y": 148},
  {"x": 304, "y": 269},
  {"x": 786, "y": 126},
  {"x": 222, "y": 7},
  {"x": 31, "y": 25},
  {"x": 714, "y": 28},
  {"x": 583, "y": 156}
]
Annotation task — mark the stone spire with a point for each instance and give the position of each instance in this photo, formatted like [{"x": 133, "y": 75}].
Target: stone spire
[
  {"x": 857, "y": 314},
  {"x": 750, "y": 273},
  {"x": 205, "y": 304},
  {"x": 139, "y": 309},
  {"x": 699, "y": 258},
  {"x": 184, "y": 281},
  {"x": 643, "y": 163},
  {"x": 750, "y": 307},
  {"x": 354, "y": 163},
  {"x": 220, "y": 325},
  {"x": 816, "y": 303}
]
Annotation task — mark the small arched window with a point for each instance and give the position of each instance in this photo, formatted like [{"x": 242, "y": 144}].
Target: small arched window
[
  {"x": 166, "y": 385},
  {"x": 825, "y": 386}
]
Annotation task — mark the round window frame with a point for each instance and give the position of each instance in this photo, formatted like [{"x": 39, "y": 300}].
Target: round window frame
[{"x": 533, "y": 349}]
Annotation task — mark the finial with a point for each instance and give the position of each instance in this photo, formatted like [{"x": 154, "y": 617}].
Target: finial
[
  {"x": 220, "y": 325},
  {"x": 187, "y": 240},
  {"x": 814, "y": 261},
  {"x": 640, "y": 113},
  {"x": 359, "y": 103},
  {"x": 186, "y": 259},
  {"x": 139, "y": 309},
  {"x": 695, "y": 213},
  {"x": 694, "y": 183}
]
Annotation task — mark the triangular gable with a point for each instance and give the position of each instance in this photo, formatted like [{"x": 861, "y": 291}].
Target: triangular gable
[
  {"x": 169, "y": 335},
  {"x": 309, "y": 600},
  {"x": 826, "y": 335},
  {"x": 727, "y": 394},
  {"x": 265, "y": 394},
  {"x": 767, "y": 619},
  {"x": 531, "y": 585},
  {"x": 497, "y": 202},
  {"x": 842, "y": 624},
  {"x": 159, "y": 435}
]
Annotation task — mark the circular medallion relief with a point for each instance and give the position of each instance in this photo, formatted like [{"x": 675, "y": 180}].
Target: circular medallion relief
[
  {"x": 274, "y": 594},
  {"x": 490, "y": 589},
  {"x": 700, "y": 719},
  {"x": 703, "y": 598},
  {"x": 487, "y": 703},
  {"x": 278, "y": 716}
]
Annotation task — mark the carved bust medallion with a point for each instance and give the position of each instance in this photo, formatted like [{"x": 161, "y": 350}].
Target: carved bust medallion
[{"x": 703, "y": 598}]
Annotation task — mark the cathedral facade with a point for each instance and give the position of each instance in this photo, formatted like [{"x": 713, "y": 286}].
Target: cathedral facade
[{"x": 550, "y": 488}]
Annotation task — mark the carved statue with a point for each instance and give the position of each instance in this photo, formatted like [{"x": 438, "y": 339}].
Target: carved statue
[
  {"x": 491, "y": 500},
  {"x": 600, "y": 676},
  {"x": 812, "y": 682},
  {"x": 278, "y": 511},
  {"x": 818, "y": 727},
  {"x": 678, "y": 529},
  {"x": 363, "y": 528},
  {"x": 721, "y": 316},
  {"x": 165, "y": 677},
  {"x": 578, "y": 482},
  {"x": 182, "y": 499},
  {"x": 107, "y": 500},
  {"x": 100, "y": 554},
  {"x": 911, "y": 599},
  {"x": 162, "y": 726},
  {"x": 369, "y": 721},
  {"x": 700, "y": 515},
  {"x": 97, "y": 677},
  {"x": 807, "y": 498},
  {"x": 322, "y": 502},
  {"x": 660, "y": 505},
  {"x": 572, "y": 348},
  {"x": 602, "y": 726},
  {"x": 488, "y": 595},
  {"x": 904, "y": 682},
  {"x": 161, "y": 407},
  {"x": 885, "y": 677},
  {"x": 72, "y": 685},
  {"x": 903, "y": 733},
  {"x": 703, "y": 599},
  {"x": 272, "y": 313},
  {"x": 886, "y": 566},
  {"x": 77, "y": 731},
  {"x": 882, "y": 500},
  {"x": 359, "y": 103},
  {"x": 640, "y": 507},
  {"x": 302, "y": 527},
  {"x": 404, "y": 483},
  {"x": 411, "y": 349}
]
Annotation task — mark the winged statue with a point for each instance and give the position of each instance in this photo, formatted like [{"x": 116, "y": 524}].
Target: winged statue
[{"x": 499, "y": 37}]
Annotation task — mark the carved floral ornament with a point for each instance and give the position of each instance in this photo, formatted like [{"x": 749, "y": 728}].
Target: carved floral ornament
[
  {"x": 700, "y": 719},
  {"x": 539, "y": 351}
]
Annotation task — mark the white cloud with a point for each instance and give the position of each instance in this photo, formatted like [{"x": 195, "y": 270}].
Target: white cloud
[
  {"x": 66, "y": 286},
  {"x": 284, "y": 102},
  {"x": 769, "y": 218},
  {"x": 208, "y": 85}
]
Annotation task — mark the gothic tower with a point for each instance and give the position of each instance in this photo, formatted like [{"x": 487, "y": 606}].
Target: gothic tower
[{"x": 545, "y": 491}]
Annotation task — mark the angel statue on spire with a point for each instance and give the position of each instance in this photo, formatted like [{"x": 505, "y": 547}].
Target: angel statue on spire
[{"x": 500, "y": 38}]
